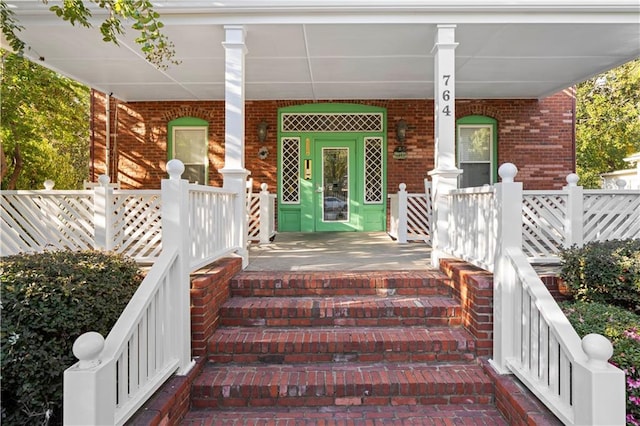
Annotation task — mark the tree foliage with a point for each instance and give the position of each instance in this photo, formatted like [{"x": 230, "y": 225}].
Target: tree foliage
[
  {"x": 44, "y": 126},
  {"x": 156, "y": 46},
  {"x": 607, "y": 122}
]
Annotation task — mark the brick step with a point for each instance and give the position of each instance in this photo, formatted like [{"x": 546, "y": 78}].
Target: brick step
[
  {"x": 315, "y": 385},
  {"x": 342, "y": 344},
  {"x": 356, "y": 283},
  {"x": 462, "y": 414},
  {"x": 366, "y": 311}
]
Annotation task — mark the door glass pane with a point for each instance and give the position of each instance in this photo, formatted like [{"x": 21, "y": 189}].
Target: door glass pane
[
  {"x": 335, "y": 179},
  {"x": 190, "y": 147}
]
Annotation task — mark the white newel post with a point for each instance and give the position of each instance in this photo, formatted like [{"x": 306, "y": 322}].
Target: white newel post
[
  {"x": 103, "y": 214},
  {"x": 509, "y": 234},
  {"x": 573, "y": 226},
  {"x": 600, "y": 387},
  {"x": 176, "y": 233},
  {"x": 445, "y": 175},
  {"x": 265, "y": 214},
  {"x": 402, "y": 213},
  {"x": 234, "y": 173},
  {"x": 89, "y": 392}
]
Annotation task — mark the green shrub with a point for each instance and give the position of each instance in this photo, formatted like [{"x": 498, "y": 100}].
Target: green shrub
[
  {"x": 622, "y": 327},
  {"x": 48, "y": 300},
  {"x": 606, "y": 272}
]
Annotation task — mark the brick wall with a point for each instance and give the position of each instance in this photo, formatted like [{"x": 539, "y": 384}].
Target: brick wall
[{"x": 536, "y": 135}]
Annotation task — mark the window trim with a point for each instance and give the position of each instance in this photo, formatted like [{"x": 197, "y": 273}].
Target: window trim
[
  {"x": 480, "y": 121},
  {"x": 188, "y": 123}
]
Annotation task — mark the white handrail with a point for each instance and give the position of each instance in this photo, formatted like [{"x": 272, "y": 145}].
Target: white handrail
[
  {"x": 114, "y": 377},
  {"x": 533, "y": 339}
]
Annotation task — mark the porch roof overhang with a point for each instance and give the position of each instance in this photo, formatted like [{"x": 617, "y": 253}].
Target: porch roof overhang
[{"x": 347, "y": 49}]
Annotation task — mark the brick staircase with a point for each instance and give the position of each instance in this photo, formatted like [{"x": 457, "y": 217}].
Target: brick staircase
[
  {"x": 327, "y": 346},
  {"x": 403, "y": 347}
]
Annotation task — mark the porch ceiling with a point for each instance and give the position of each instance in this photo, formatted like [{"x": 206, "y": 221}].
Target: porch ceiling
[{"x": 348, "y": 49}]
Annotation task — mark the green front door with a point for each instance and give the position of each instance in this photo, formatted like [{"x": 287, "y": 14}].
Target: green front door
[
  {"x": 331, "y": 168},
  {"x": 334, "y": 186}
]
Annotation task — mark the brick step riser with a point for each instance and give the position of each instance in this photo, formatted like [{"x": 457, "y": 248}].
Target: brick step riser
[
  {"x": 278, "y": 346},
  {"x": 454, "y": 321},
  {"x": 367, "y": 311},
  {"x": 325, "y": 401},
  {"x": 254, "y": 358},
  {"x": 255, "y": 388},
  {"x": 338, "y": 286}
]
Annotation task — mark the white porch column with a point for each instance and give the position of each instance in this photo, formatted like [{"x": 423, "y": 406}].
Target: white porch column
[
  {"x": 445, "y": 175},
  {"x": 234, "y": 173}
]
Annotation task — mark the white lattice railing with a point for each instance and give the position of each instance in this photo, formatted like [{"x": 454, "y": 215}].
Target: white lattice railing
[
  {"x": 262, "y": 218},
  {"x": 38, "y": 220},
  {"x": 410, "y": 215},
  {"x": 610, "y": 215},
  {"x": 124, "y": 221},
  {"x": 551, "y": 221},
  {"x": 543, "y": 221}
]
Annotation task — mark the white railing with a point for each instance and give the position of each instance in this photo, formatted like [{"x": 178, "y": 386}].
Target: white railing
[
  {"x": 472, "y": 225},
  {"x": 116, "y": 376},
  {"x": 532, "y": 337},
  {"x": 127, "y": 222},
  {"x": 210, "y": 224},
  {"x": 551, "y": 221},
  {"x": 262, "y": 218},
  {"x": 124, "y": 221},
  {"x": 152, "y": 338},
  {"x": 410, "y": 215},
  {"x": 571, "y": 377}
]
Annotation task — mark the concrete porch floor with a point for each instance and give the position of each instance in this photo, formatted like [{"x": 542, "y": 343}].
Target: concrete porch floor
[{"x": 338, "y": 251}]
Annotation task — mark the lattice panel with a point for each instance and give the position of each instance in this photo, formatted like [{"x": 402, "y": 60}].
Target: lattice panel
[
  {"x": 543, "y": 217},
  {"x": 33, "y": 221},
  {"x": 611, "y": 216},
  {"x": 253, "y": 230},
  {"x": 373, "y": 174},
  {"x": 290, "y": 185},
  {"x": 137, "y": 225},
  {"x": 419, "y": 214},
  {"x": 332, "y": 122}
]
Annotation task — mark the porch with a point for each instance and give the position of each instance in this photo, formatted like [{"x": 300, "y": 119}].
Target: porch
[{"x": 338, "y": 251}]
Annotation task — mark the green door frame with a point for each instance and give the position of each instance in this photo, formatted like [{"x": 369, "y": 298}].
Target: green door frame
[{"x": 303, "y": 212}]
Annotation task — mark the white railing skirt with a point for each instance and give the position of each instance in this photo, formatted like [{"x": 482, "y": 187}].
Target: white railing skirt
[
  {"x": 210, "y": 224},
  {"x": 472, "y": 226},
  {"x": 114, "y": 378}
]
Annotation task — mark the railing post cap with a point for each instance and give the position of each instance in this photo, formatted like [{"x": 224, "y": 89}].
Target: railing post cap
[
  {"x": 598, "y": 349},
  {"x": 263, "y": 187},
  {"x": 49, "y": 184},
  {"x": 87, "y": 348},
  {"x": 572, "y": 179},
  {"x": 104, "y": 180},
  {"x": 621, "y": 183},
  {"x": 403, "y": 187},
  {"x": 175, "y": 168},
  {"x": 508, "y": 172}
]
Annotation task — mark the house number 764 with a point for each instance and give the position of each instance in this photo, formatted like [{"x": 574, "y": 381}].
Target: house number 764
[{"x": 446, "y": 95}]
